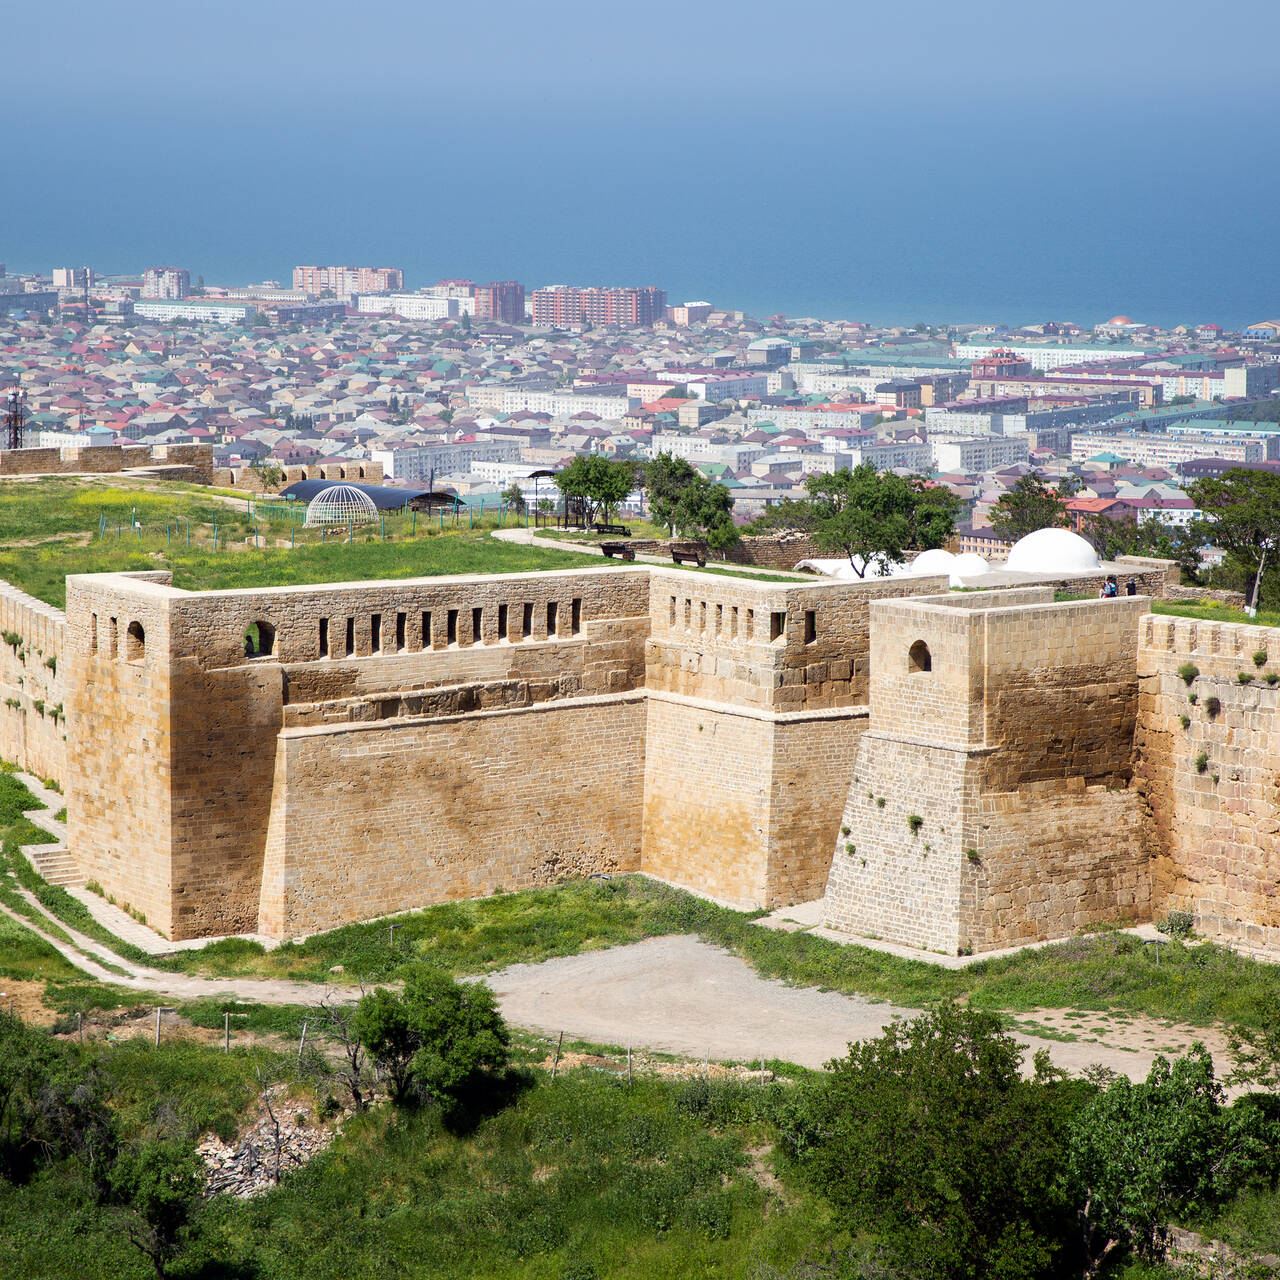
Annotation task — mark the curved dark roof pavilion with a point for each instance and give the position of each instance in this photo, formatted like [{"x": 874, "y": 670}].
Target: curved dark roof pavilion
[{"x": 384, "y": 497}]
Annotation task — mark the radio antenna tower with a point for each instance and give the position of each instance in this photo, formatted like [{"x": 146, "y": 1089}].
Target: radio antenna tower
[{"x": 15, "y": 416}]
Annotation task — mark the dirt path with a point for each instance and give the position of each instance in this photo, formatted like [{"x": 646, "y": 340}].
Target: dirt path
[{"x": 680, "y": 995}]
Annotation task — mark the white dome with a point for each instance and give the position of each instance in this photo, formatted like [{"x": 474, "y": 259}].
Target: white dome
[
  {"x": 340, "y": 504},
  {"x": 968, "y": 565},
  {"x": 1052, "y": 551},
  {"x": 934, "y": 561}
]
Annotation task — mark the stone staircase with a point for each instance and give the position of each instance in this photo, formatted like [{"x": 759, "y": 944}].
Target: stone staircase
[
  {"x": 54, "y": 864},
  {"x": 51, "y": 861}
]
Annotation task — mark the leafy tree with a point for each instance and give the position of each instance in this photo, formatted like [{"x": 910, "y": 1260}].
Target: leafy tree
[
  {"x": 158, "y": 1188},
  {"x": 929, "y": 1137},
  {"x": 1255, "y": 1050},
  {"x": 1029, "y": 505},
  {"x": 933, "y": 514},
  {"x": 52, "y": 1106},
  {"x": 1148, "y": 537},
  {"x": 600, "y": 482},
  {"x": 1141, "y": 1154},
  {"x": 1241, "y": 515},
  {"x": 665, "y": 479},
  {"x": 706, "y": 509},
  {"x": 435, "y": 1038},
  {"x": 513, "y": 496},
  {"x": 862, "y": 514},
  {"x": 270, "y": 474}
]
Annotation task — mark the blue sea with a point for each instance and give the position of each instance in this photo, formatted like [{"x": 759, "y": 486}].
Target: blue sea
[{"x": 889, "y": 217}]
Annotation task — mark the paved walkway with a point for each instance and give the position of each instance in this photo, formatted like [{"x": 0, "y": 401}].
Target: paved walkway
[{"x": 529, "y": 537}]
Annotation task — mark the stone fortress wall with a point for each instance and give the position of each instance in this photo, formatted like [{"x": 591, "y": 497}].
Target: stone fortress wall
[
  {"x": 1213, "y": 783},
  {"x": 362, "y": 471},
  {"x": 396, "y": 743},
  {"x": 32, "y": 683},
  {"x": 991, "y": 801},
  {"x": 190, "y": 462}
]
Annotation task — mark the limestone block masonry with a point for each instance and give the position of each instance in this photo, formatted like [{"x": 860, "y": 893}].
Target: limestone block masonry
[
  {"x": 378, "y": 746},
  {"x": 1208, "y": 763},
  {"x": 991, "y": 801},
  {"x": 958, "y": 770}
]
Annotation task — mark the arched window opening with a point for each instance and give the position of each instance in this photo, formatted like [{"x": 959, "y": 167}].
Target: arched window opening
[
  {"x": 919, "y": 657},
  {"x": 135, "y": 642},
  {"x": 259, "y": 640}
]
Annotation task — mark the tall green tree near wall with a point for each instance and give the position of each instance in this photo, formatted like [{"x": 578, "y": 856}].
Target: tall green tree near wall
[
  {"x": 601, "y": 483},
  {"x": 1031, "y": 504},
  {"x": 1242, "y": 515}
]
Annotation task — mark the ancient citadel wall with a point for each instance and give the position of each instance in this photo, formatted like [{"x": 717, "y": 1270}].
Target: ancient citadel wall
[
  {"x": 990, "y": 802},
  {"x": 119, "y": 748},
  {"x": 756, "y": 693},
  {"x": 32, "y": 684},
  {"x": 194, "y": 461},
  {"x": 1213, "y": 783},
  {"x": 362, "y": 471},
  {"x": 362, "y": 659}
]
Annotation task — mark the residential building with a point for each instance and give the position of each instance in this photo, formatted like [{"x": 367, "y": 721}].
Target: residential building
[
  {"x": 1167, "y": 449},
  {"x": 1050, "y": 355},
  {"x": 688, "y": 313},
  {"x": 982, "y": 453},
  {"x": 199, "y": 310},
  {"x": 501, "y": 300},
  {"x": 561, "y": 305},
  {"x": 72, "y": 277},
  {"x": 559, "y": 404},
  {"x": 408, "y": 306},
  {"x": 346, "y": 282},
  {"x": 167, "y": 283},
  {"x": 419, "y": 462}
]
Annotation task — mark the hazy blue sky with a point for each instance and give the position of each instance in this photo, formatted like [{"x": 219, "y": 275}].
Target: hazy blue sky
[{"x": 981, "y": 161}]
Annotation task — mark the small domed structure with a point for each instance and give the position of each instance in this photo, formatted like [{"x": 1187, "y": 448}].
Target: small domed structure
[
  {"x": 340, "y": 504},
  {"x": 933, "y": 561},
  {"x": 968, "y": 565},
  {"x": 1052, "y": 551}
]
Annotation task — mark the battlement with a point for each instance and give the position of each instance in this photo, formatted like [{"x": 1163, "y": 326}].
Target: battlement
[{"x": 191, "y": 462}]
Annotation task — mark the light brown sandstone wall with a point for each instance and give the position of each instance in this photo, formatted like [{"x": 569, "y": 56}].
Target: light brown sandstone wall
[
  {"x": 1014, "y": 744},
  {"x": 1219, "y": 830},
  {"x": 373, "y": 819},
  {"x": 119, "y": 747},
  {"x": 707, "y": 794},
  {"x": 32, "y": 691},
  {"x": 195, "y": 459}
]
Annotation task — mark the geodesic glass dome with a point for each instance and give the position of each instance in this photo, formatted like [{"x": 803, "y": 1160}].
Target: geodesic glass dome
[{"x": 340, "y": 504}]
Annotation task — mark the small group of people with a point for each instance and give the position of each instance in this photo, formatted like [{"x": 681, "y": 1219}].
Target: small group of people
[{"x": 1111, "y": 588}]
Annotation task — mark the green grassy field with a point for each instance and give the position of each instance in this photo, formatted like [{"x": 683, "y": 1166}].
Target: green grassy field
[{"x": 52, "y": 528}]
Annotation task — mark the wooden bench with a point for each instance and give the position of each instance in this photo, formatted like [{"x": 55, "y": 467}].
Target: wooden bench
[
  {"x": 612, "y": 549},
  {"x": 686, "y": 552},
  {"x": 620, "y": 530}
]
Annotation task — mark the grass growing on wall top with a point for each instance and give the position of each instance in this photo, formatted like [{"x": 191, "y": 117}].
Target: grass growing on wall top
[
  {"x": 1211, "y": 612},
  {"x": 42, "y": 571}
]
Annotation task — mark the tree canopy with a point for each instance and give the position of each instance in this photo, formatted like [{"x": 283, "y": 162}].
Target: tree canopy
[
  {"x": 930, "y": 1137},
  {"x": 1031, "y": 504},
  {"x": 872, "y": 518},
  {"x": 435, "y": 1037},
  {"x": 601, "y": 483},
  {"x": 1241, "y": 515}
]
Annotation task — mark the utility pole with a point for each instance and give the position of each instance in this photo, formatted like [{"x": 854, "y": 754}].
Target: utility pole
[{"x": 15, "y": 417}]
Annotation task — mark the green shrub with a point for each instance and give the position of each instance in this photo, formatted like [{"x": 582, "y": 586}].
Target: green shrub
[
  {"x": 879, "y": 802},
  {"x": 1186, "y": 721},
  {"x": 1260, "y": 658},
  {"x": 1188, "y": 672},
  {"x": 1193, "y": 698},
  {"x": 1272, "y": 677},
  {"x": 1202, "y": 762},
  {"x": 1244, "y": 677},
  {"x": 972, "y": 854},
  {"x": 915, "y": 822},
  {"x": 1177, "y": 924},
  {"x": 1212, "y": 706}
]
